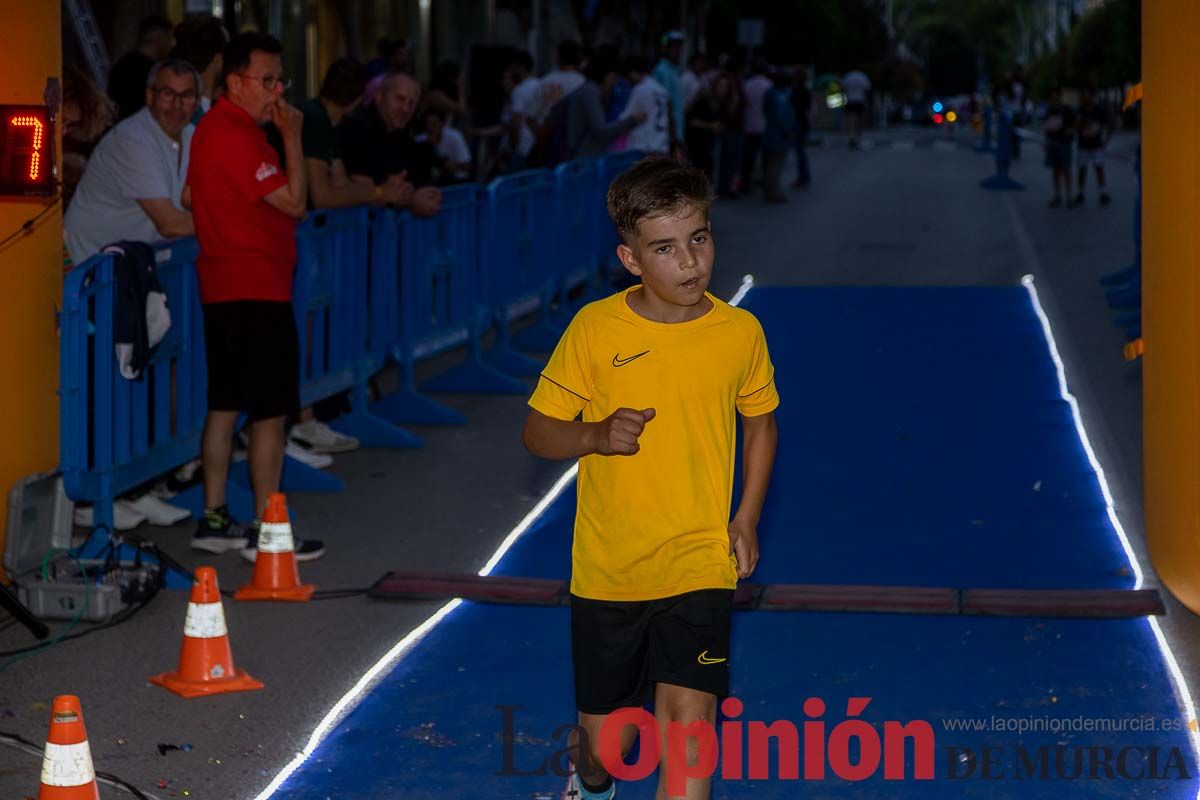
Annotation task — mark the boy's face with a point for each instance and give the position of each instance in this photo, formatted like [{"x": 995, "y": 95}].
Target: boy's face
[{"x": 673, "y": 255}]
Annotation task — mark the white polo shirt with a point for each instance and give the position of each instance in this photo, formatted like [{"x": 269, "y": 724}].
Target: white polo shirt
[{"x": 134, "y": 161}]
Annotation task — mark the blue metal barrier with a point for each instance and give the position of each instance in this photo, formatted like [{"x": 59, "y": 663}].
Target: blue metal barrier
[
  {"x": 611, "y": 166},
  {"x": 333, "y": 302},
  {"x": 1000, "y": 181},
  {"x": 516, "y": 251},
  {"x": 577, "y": 195},
  {"x": 117, "y": 434},
  {"x": 373, "y": 334},
  {"x": 428, "y": 268}
]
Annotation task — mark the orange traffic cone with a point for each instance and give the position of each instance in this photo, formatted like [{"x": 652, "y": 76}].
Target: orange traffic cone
[
  {"x": 67, "y": 772},
  {"x": 205, "y": 660},
  {"x": 276, "y": 576}
]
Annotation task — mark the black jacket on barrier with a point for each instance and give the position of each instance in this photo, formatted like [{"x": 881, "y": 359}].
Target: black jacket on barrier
[
  {"x": 141, "y": 317},
  {"x": 369, "y": 148}
]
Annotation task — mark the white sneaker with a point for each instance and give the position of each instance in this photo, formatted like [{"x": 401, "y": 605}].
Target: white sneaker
[
  {"x": 318, "y": 437},
  {"x": 575, "y": 792},
  {"x": 158, "y": 512},
  {"x": 308, "y": 457},
  {"x": 125, "y": 517}
]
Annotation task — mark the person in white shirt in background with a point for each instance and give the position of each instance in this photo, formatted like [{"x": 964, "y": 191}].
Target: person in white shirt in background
[
  {"x": 560, "y": 82},
  {"x": 754, "y": 123},
  {"x": 450, "y": 146},
  {"x": 651, "y": 100},
  {"x": 855, "y": 85},
  {"x": 522, "y": 112},
  {"x": 693, "y": 80}
]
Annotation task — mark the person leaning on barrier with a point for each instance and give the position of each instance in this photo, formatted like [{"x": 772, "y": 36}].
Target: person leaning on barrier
[
  {"x": 246, "y": 207},
  {"x": 131, "y": 187},
  {"x": 201, "y": 40},
  {"x": 329, "y": 186},
  {"x": 378, "y": 142},
  {"x": 451, "y": 146}
]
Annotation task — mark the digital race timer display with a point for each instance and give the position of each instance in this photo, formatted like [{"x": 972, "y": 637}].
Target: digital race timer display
[{"x": 26, "y": 151}]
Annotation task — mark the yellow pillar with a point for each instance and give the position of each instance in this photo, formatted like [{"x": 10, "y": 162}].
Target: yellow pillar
[
  {"x": 30, "y": 267},
  {"x": 1171, "y": 324}
]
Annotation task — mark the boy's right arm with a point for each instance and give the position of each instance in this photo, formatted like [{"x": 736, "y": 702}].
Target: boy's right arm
[{"x": 556, "y": 439}]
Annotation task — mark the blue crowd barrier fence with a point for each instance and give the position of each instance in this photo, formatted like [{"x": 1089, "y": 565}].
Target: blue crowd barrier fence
[
  {"x": 427, "y": 268},
  {"x": 117, "y": 434},
  {"x": 611, "y": 166},
  {"x": 576, "y": 190},
  {"x": 516, "y": 250},
  {"x": 372, "y": 287}
]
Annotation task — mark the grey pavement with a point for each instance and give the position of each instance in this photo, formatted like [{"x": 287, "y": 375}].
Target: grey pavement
[{"x": 902, "y": 211}]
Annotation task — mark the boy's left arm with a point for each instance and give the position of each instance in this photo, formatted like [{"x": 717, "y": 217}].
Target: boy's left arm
[{"x": 760, "y": 436}]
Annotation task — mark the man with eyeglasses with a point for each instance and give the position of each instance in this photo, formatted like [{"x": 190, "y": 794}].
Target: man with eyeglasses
[
  {"x": 131, "y": 188},
  {"x": 246, "y": 205}
]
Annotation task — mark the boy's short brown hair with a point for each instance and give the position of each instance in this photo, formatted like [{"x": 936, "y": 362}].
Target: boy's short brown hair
[{"x": 654, "y": 187}]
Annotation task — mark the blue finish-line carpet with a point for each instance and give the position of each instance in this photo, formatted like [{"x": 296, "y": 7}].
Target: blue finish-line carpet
[{"x": 924, "y": 441}]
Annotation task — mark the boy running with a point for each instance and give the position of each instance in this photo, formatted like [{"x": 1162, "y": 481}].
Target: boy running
[{"x": 658, "y": 373}]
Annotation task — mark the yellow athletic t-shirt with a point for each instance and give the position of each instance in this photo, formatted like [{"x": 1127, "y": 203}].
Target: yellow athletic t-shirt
[{"x": 655, "y": 524}]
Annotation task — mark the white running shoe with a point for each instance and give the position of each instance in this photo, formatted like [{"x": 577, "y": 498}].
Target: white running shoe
[
  {"x": 158, "y": 512},
  {"x": 125, "y": 517},
  {"x": 574, "y": 792},
  {"x": 314, "y": 460},
  {"x": 318, "y": 437}
]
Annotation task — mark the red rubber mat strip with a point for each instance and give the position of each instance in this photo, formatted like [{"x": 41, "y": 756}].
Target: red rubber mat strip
[
  {"x": 887, "y": 599},
  {"x": 490, "y": 589},
  {"x": 1063, "y": 602},
  {"x": 1096, "y": 603}
]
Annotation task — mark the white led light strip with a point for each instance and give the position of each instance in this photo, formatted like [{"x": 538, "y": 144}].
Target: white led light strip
[
  {"x": 1181, "y": 688},
  {"x": 384, "y": 665}
]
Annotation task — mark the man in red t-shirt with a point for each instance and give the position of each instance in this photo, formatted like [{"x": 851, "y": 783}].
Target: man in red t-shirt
[{"x": 245, "y": 207}]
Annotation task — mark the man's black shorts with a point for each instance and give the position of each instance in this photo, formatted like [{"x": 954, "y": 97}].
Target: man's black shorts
[
  {"x": 253, "y": 353},
  {"x": 621, "y": 649}
]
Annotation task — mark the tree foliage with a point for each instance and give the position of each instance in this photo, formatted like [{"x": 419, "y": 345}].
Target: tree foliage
[
  {"x": 1105, "y": 48},
  {"x": 833, "y": 35},
  {"x": 961, "y": 42}
]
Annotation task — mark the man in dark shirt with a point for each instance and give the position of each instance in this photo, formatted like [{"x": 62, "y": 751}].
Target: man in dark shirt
[
  {"x": 1094, "y": 131},
  {"x": 201, "y": 40},
  {"x": 329, "y": 185},
  {"x": 127, "y": 79},
  {"x": 1059, "y": 133},
  {"x": 378, "y": 142}
]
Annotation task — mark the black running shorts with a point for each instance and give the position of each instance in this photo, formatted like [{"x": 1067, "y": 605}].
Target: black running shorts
[
  {"x": 621, "y": 649},
  {"x": 253, "y": 354}
]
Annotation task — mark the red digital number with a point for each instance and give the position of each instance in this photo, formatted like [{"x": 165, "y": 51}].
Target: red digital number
[
  {"x": 26, "y": 151},
  {"x": 26, "y": 142}
]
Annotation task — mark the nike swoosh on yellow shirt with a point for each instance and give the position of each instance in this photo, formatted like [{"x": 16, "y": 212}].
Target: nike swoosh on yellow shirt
[
  {"x": 704, "y": 659},
  {"x": 620, "y": 362}
]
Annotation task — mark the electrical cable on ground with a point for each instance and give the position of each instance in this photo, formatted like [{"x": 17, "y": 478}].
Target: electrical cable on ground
[{"x": 107, "y": 778}]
